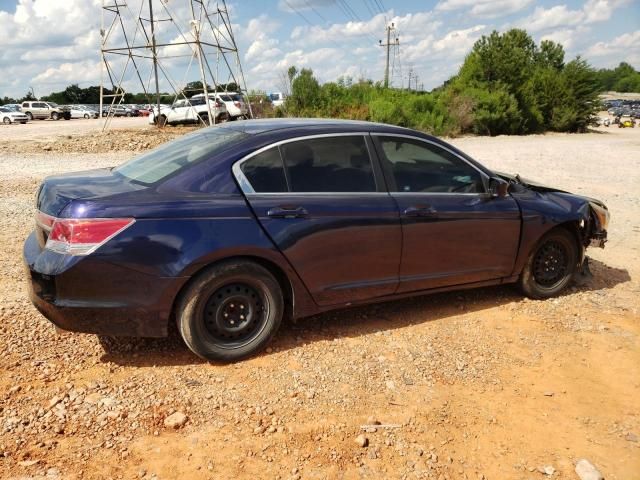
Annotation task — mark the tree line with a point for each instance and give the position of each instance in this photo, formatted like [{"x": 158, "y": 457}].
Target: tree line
[{"x": 507, "y": 84}]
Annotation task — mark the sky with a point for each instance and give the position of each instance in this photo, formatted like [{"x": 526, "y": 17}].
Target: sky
[{"x": 49, "y": 44}]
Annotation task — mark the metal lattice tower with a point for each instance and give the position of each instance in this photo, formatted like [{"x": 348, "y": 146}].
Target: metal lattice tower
[{"x": 141, "y": 42}]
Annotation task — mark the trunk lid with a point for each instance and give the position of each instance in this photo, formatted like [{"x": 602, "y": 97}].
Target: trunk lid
[{"x": 57, "y": 191}]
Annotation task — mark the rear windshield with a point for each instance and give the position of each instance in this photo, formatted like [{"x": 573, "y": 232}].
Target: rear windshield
[
  {"x": 178, "y": 154},
  {"x": 226, "y": 98}
]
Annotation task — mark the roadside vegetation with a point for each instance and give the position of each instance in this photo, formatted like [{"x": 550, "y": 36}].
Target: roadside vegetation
[{"x": 506, "y": 85}]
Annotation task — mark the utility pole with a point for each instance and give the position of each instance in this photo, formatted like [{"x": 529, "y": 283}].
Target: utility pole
[
  {"x": 388, "y": 46},
  {"x": 154, "y": 54}
]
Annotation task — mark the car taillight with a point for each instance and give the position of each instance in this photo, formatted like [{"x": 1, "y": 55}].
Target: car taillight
[
  {"x": 80, "y": 236},
  {"x": 45, "y": 221},
  {"x": 218, "y": 104},
  {"x": 237, "y": 104}
]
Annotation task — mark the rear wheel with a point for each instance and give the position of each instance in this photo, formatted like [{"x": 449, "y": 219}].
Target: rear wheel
[
  {"x": 86, "y": 115},
  {"x": 551, "y": 265},
  {"x": 230, "y": 311},
  {"x": 6, "y": 121},
  {"x": 30, "y": 115},
  {"x": 204, "y": 117}
]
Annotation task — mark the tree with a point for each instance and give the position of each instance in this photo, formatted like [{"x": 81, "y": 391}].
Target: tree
[{"x": 305, "y": 92}]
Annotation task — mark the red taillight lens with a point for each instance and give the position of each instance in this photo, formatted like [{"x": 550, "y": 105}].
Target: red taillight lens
[{"x": 83, "y": 236}]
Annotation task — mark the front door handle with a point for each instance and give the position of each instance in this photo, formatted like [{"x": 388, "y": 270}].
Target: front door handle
[
  {"x": 420, "y": 211},
  {"x": 287, "y": 212}
]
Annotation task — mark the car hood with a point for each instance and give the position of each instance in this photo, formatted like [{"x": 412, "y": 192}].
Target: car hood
[{"x": 538, "y": 187}]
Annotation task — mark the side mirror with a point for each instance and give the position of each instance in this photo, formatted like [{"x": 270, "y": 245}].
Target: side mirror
[{"x": 498, "y": 188}]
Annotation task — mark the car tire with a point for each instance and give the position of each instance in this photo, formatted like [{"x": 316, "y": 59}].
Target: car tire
[
  {"x": 163, "y": 120},
  {"x": 128, "y": 114},
  {"x": 55, "y": 116},
  {"x": 86, "y": 115},
  {"x": 210, "y": 314},
  {"x": 6, "y": 121},
  {"x": 30, "y": 115},
  {"x": 551, "y": 265},
  {"x": 205, "y": 118}
]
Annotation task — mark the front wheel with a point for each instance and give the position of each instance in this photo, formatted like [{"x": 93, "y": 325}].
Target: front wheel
[
  {"x": 6, "y": 121},
  {"x": 230, "y": 311},
  {"x": 551, "y": 265},
  {"x": 55, "y": 116},
  {"x": 86, "y": 115},
  {"x": 30, "y": 115}
]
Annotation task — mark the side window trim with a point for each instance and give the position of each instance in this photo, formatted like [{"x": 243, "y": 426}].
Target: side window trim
[
  {"x": 391, "y": 180},
  {"x": 248, "y": 189}
]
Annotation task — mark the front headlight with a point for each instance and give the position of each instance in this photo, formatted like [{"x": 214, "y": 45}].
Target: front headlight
[{"x": 602, "y": 214}]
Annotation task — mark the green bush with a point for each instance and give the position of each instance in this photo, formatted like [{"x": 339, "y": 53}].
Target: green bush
[{"x": 506, "y": 85}]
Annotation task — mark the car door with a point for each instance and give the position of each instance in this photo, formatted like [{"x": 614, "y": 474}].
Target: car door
[
  {"x": 454, "y": 232},
  {"x": 322, "y": 202},
  {"x": 178, "y": 112}
]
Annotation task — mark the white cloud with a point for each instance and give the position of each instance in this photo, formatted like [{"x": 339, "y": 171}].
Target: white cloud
[
  {"x": 626, "y": 44},
  {"x": 484, "y": 8},
  {"x": 546, "y": 18},
  {"x": 601, "y": 10}
]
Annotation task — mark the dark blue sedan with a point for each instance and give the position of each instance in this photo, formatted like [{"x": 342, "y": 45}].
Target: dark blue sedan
[{"x": 230, "y": 228}]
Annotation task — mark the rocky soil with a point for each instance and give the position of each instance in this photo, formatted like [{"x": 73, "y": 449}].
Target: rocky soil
[{"x": 480, "y": 384}]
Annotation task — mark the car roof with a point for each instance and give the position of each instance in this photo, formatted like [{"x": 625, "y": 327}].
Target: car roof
[{"x": 311, "y": 126}]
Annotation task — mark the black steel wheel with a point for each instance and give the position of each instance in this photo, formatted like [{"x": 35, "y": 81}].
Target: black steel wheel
[
  {"x": 230, "y": 311},
  {"x": 551, "y": 265}
]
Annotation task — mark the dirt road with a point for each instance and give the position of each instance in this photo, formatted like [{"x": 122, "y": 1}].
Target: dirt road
[{"x": 469, "y": 385}]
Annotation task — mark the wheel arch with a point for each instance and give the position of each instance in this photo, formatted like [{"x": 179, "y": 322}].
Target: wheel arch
[{"x": 286, "y": 284}]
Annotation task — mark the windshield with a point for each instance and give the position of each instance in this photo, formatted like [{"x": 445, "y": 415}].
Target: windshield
[
  {"x": 178, "y": 154},
  {"x": 2, "y": 109},
  {"x": 51, "y": 104},
  {"x": 226, "y": 98}
]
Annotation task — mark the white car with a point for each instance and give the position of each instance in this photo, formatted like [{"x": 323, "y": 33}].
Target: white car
[
  {"x": 190, "y": 111},
  {"x": 80, "y": 111},
  {"x": 8, "y": 116},
  {"x": 277, "y": 99},
  {"x": 235, "y": 103}
]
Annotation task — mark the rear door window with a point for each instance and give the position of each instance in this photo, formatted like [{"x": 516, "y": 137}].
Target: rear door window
[
  {"x": 329, "y": 164},
  {"x": 265, "y": 172}
]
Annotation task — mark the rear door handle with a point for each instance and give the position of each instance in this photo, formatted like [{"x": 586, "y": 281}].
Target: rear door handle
[
  {"x": 420, "y": 211},
  {"x": 287, "y": 212}
]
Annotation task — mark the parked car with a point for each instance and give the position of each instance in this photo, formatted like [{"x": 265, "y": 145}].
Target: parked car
[
  {"x": 189, "y": 111},
  {"x": 44, "y": 110},
  {"x": 80, "y": 111},
  {"x": 226, "y": 229},
  {"x": 12, "y": 106},
  {"x": 8, "y": 116},
  {"x": 119, "y": 111},
  {"x": 277, "y": 99},
  {"x": 234, "y": 102}
]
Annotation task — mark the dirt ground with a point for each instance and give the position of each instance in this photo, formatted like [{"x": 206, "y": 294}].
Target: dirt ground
[{"x": 480, "y": 384}]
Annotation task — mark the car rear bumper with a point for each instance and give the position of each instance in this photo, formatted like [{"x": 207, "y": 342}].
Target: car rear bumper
[{"x": 96, "y": 297}]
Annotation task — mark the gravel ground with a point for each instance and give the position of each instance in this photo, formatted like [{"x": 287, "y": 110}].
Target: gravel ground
[{"x": 467, "y": 385}]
